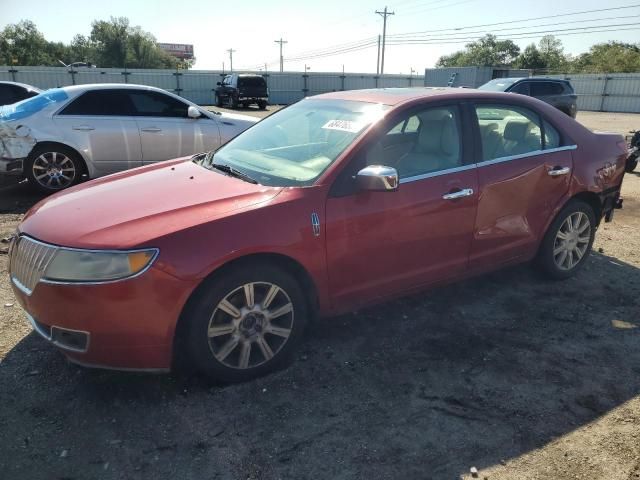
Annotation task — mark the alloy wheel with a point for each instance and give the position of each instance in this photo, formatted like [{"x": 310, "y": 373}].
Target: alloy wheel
[
  {"x": 250, "y": 325},
  {"x": 572, "y": 241},
  {"x": 54, "y": 170}
]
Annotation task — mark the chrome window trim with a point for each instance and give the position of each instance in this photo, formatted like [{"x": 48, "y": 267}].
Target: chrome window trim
[
  {"x": 485, "y": 163},
  {"x": 437, "y": 174},
  {"x": 525, "y": 155},
  {"x": 25, "y": 290}
]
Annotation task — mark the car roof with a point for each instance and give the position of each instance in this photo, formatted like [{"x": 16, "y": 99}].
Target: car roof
[
  {"x": 396, "y": 96},
  {"x": 535, "y": 79},
  {"x": 108, "y": 86},
  {"x": 23, "y": 85}
]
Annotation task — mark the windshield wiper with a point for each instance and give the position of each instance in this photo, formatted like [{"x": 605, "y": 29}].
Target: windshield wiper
[{"x": 229, "y": 170}]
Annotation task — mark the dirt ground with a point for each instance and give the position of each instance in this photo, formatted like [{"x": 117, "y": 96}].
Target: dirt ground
[{"x": 509, "y": 373}]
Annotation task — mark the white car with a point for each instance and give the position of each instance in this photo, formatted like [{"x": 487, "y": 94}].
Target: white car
[{"x": 64, "y": 134}]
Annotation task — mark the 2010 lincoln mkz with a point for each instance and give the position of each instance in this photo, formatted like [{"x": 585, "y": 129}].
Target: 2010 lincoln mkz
[{"x": 338, "y": 201}]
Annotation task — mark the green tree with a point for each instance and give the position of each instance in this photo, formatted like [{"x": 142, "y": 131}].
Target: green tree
[
  {"x": 530, "y": 59},
  {"x": 23, "y": 44},
  {"x": 488, "y": 51},
  {"x": 611, "y": 57},
  {"x": 552, "y": 53}
]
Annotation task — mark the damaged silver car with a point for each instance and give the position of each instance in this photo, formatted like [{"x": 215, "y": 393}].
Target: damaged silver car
[{"x": 63, "y": 135}]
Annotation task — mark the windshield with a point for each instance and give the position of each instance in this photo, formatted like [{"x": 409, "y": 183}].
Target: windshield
[
  {"x": 32, "y": 105},
  {"x": 294, "y": 146},
  {"x": 497, "y": 85}
]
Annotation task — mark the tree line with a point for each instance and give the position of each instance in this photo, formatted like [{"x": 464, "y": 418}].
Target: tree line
[
  {"x": 547, "y": 56},
  {"x": 111, "y": 43}
]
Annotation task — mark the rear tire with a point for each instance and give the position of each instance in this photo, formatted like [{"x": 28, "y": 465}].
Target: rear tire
[
  {"x": 52, "y": 168},
  {"x": 632, "y": 163},
  {"x": 262, "y": 105},
  {"x": 233, "y": 102},
  {"x": 245, "y": 322},
  {"x": 568, "y": 241}
]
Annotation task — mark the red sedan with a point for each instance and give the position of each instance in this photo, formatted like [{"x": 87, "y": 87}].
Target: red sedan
[{"x": 338, "y": 201}]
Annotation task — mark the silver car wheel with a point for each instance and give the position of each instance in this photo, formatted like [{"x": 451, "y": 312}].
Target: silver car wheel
[
  {"x": 54, "y": 170},
  {"x": 572, "y": 241},
  {"x": 250, "y": 325}
]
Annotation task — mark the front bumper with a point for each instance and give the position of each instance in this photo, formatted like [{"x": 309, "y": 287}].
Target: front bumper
[
  {"x": 125, "y": 325},
  {"x": 11, "y": 166}
]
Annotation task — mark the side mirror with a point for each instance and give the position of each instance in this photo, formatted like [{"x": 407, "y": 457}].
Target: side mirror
[
  {"x": 193, "y": 112},
  {"x": 377, "y": 178},
  {"x": 218, "y": 83}
]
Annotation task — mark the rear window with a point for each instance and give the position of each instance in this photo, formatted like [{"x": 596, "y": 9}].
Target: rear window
[
  {"x": 497, "y": 85},
  {"x": 251, "y": 82}
]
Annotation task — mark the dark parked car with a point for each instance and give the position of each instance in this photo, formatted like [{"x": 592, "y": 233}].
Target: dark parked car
[
  {"x": 342, "y": 200},
  {"x": 556, "y": 92},
  {"x": 12, "y": 92},
  {"x": 242, "y": 89}
]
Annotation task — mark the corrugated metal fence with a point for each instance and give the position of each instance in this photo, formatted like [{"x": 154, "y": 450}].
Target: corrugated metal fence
[
  {"x": 198, "y": 85},
  {"x": 616, "y": 92}
]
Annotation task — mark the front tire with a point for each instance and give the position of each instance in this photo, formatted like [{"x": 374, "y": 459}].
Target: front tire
[
  {"x": 245, "y": 322},
  {"x": 568, "y": 241},
  {"x": 632, "y": 163},
  {"x": 53, "y": 168},
  {"x": 218, "y": 101}
]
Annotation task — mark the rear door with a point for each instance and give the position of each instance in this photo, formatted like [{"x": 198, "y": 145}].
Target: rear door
[
  {"x": 100, "y": 124},
  {"x": 166, "y": 131},
  {"x": 550, "y": 92},
  {"x": 523, "y": 172}
]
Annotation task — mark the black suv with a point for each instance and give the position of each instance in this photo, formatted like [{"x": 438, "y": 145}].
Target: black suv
[
  {"x": 558, "y": 93},
  {"x": 12, "y": 92},
  {"x": 243, "y": 89}
]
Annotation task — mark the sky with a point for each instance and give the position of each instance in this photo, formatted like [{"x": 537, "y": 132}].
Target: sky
[{"x": 250, "y": 27}]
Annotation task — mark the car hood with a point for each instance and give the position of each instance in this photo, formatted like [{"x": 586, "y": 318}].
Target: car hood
[{"x": 135, "y": 207}]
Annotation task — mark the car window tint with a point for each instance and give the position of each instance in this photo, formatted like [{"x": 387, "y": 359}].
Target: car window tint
[
  {"x": 521, "y": 88},
  {"x": 507, "y": 131},
  {"x": 551, "y": 136},
  {"x": 100, "y": 102},
  {"x": 155, "y": 104},
  {"x": 429, "y": 143},
  {"x": 251, "y": 82},
  {"x": 539, "y": 89},
  {"x": 7, "y": 96}
]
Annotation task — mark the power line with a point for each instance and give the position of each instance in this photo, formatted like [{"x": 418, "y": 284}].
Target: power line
[
  {"x": 418, "y": 40},
  {"x": 518, "y": 21},
  {"x": 384, "y": 14}
]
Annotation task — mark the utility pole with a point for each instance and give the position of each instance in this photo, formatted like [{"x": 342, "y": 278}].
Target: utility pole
[
  {"x": 281, "y": 42},
  {"x": 231, "y": 50},
  {"x": 384, "y": 14},
  {"x": 378, "y": 61}
]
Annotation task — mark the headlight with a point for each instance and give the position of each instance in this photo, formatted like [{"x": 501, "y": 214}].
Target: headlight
[{"x": 96, "y": 266}]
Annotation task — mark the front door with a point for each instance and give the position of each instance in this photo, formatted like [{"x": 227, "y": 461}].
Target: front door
[
  {"x": 380, "y": 244},
  {"x": 524, "y": 172}
]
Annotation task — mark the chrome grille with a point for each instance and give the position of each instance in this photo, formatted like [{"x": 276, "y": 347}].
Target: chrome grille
[{"x": 28, "y": 261}]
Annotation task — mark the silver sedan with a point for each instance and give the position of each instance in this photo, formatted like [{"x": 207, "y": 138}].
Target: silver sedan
[{"x": 64, "y": 134}]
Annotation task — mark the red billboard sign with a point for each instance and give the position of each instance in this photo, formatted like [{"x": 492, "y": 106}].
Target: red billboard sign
[{"x": 180, "y": 50}]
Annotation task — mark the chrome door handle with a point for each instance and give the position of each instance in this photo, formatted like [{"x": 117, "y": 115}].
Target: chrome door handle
[
  {"x": 151, "y": 129},
  {"x": 83, "y": 128},
  {"x": 557, "y": 171},
  {"x": 465, "y": 192}
]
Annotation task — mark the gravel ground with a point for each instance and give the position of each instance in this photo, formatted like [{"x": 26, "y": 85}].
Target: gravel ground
[{"x": 514, "y": 375}]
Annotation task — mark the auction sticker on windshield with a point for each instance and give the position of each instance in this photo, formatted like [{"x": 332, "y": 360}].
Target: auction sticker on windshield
[{"x": 344, "y": 125}]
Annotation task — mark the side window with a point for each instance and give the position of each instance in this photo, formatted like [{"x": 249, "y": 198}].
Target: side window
[
  {"x": 100, "y": 103},
  {"x": 508, "y": 130},
  {"x": 521, "y": 88},
  {"x": 540, "y": 89},
  {"x": 430, "y": 142},
  {"x": 551, "y": 136},
  {"x": 6, "y": 95},
  {"x": 154, "y": 104}
]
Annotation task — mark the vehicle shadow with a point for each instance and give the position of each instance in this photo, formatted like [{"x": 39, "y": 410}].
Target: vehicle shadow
[
  {"x": 424, "y": 387},
  {"x": 17, "y": 196}
]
